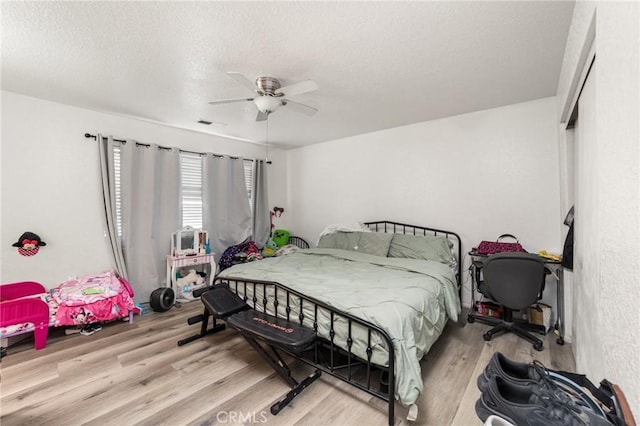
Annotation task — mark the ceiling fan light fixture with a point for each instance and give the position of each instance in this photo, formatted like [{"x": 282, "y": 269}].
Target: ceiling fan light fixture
[
  {"x": 271, "y": 95},
  {"x": 267, "y": 104}
]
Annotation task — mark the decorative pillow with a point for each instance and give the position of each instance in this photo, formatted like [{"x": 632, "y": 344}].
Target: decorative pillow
[
  {"x": 428, "y": 247},
  {"x": 340, "y": 240},
  {"x": 376, "y": 243}
]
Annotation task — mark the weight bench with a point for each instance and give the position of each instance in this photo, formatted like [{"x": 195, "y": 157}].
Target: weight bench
[{"x": 265, "y": 333}]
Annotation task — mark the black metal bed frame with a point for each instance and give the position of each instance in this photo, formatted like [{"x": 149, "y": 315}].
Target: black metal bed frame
[
  {"x": 328, "y": 355},
  {"x": 395, "y": 227},
  {"x": 299, "y": 242}
]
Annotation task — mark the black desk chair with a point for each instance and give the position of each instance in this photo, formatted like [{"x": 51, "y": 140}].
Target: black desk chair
[{"x": 515, "y": 281}]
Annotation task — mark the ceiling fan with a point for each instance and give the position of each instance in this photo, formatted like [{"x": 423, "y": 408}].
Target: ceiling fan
[{"x": 271, "y": 95}]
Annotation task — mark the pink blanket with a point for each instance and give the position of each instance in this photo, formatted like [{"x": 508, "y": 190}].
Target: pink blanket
[{"x": 92, "y": 298}]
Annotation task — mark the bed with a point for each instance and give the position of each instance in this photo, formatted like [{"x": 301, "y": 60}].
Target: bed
[
  {"x": 389, "y": 285},
  {"x": 28, "y": 307}
]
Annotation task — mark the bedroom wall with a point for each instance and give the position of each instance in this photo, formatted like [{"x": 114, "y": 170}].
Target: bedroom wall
[
  {"x": 605, "y": 280},
  {"x": 480, "y": 175},
  {"x": 50, "y": 182}
]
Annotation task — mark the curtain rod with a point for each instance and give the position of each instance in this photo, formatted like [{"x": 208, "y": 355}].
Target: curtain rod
[{"x": 90, "y": 136}]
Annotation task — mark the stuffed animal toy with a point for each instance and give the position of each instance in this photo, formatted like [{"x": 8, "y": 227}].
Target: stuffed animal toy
[
  {"x": 281, "y": 237},
  {"x": 187, "y": 284},
  {"x": 29, "y": 244},
  {"x": 269, "y": 248}
]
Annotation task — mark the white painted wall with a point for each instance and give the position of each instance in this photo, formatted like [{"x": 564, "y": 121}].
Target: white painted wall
[
  {"x": 606, "y": 288},
  {"x": 480, "y": 175},
  {"x": 50, "y": 182}
]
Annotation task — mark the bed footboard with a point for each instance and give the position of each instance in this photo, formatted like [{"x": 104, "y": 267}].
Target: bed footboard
[
  {"x": 27, "y": 310},
  {"x": 353, "y": 350}
]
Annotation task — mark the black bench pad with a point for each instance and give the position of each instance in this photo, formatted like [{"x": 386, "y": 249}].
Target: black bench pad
[
  {"x": 222, "y": 302},
  {"x": 274, "y": 331}
]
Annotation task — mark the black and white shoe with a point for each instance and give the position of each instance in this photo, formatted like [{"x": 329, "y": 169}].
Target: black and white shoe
[
  {"x": 533, "y": 405},
  {"x": 511, "y": 371},
  {"x": 536, "y": 374},
  {"x": 89, "y": 329}
]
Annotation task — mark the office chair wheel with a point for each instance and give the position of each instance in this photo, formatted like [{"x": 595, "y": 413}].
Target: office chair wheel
[
  {"x": 560, "y": 340},
  {"x": 487, "y": 336},
  {"x": 537, "y": 346}
]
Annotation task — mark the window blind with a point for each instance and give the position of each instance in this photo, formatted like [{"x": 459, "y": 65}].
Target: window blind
[
  {"x": 118, "y": 192},
  {"x": 191, "y": 189},
  {"x": 248, "y": 180}
]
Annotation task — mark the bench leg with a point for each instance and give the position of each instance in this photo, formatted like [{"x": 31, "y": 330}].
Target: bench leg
[
  {"x": 275, "y": 408},
  {"x": 204, "y": 319},
  {"x": 278, "y": 365},
  {"x": 282, "y": 369}
]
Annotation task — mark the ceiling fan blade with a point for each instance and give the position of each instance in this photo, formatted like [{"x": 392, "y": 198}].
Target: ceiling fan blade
[
  {"x": 228, "y": 101},
  {"x": 298, "y": 88},
  {"x": 242, "y": 80},
  {"x": 298, "y": 107},
  {"x": 262, "y": 116}
]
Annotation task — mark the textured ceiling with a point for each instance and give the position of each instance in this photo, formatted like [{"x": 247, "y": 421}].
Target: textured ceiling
[{"x": 378, "y": 64}]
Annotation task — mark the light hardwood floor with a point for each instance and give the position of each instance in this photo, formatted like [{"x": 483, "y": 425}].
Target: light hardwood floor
[{"x": 136, "y": 374}]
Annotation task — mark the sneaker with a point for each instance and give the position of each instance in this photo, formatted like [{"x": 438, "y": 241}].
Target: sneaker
[
  {"x": 536, "y": 374},
  {"x": 532, "y": 405},
  {"x": 511, "y": 371},
  {"x": 89, "y": 329}
]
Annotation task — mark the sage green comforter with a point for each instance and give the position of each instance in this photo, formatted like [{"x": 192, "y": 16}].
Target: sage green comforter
[{"x": 410, "y": 299}]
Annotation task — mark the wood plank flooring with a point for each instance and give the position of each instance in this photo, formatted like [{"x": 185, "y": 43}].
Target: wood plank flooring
[{"x": 130, "y": 374}]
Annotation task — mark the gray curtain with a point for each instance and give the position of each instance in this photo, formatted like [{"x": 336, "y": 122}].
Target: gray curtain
[
  {"x": 260, "y": 201},
  {"x": 226, "y": 213},
  {"x": 107, "y": 180},
  {"x": 150, "y": 185}
]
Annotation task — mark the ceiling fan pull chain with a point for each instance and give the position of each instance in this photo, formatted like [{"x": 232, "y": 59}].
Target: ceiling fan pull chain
[{"x": 266, "y": 139}]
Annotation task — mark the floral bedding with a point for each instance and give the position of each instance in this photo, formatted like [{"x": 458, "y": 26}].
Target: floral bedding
[
  {"x": 89, "y": 299},
  {"x": 93, "y": 298}
]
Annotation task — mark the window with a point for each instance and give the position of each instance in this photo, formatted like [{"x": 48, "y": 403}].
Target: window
[
  {"x": 248, "y": 180},
  {"x": 191, "y": 175},
  {"x": 191, "y": 190},
  {"x": 116, "y": 167}
]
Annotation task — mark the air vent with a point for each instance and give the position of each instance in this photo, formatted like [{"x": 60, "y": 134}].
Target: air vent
[{"x": 208, "y": 123}]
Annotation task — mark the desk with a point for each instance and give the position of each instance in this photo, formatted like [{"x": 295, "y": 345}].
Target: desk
[
  {"x": 175, "y": 262},
  {"x": 556, "y": 270}
]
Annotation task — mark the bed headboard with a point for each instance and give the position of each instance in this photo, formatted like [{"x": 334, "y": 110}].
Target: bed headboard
[
  {"x": 403, "y": 228},
  {"x": 298, "y": 242}
]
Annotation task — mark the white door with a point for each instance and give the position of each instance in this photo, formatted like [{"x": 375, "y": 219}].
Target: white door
[{"x": 584, "y": 288}]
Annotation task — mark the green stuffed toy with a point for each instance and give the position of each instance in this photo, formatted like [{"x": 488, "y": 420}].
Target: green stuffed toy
[
  {"x": 270, "y": 248},
  {"x": 281, "y": 237}
]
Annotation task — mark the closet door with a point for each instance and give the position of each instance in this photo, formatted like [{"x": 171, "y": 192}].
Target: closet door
[{"x": 586, "y": 264}]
